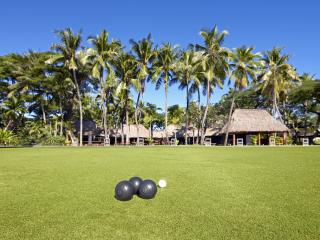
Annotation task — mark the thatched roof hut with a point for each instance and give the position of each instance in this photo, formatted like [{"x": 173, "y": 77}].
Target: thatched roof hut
[
  {"x": 131, "y": 130},
  {"x": 171, "y": 130},
  {"x": 254, "y": 121},
  {"x": 89, "y": 128}
]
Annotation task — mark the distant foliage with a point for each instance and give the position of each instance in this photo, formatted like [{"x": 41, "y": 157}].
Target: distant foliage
[
  {"x": 289, "y": 140},
  {"x": 254, "y": 139},
  {"x": 316, "y": 141},
  {"x": 53, "y": 140},
  {"x": 8, "y": 138}
]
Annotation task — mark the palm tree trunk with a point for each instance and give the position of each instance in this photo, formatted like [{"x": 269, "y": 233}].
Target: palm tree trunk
[
  {"x": 50, "y": 128},
  {"x": 193, "y": 136},
  {"x": 43, "y": 114},
  {"x": 205, "y": 113},
  {"x": 8, "y": 125},
  {"x": 199, "y": 117},
  {"x": 229, "y": 120},
  {"x": 127, "y": 120},
  {"x": 187, "y": 116},
  {"x": 104, "y": 110},
  {"x": 275, "y": 110},
  {"x": 166, "y": 110},
  {"x": 136, "y": 116},
  {"x": 151, "y": 135},
  {"x": 61, "y": 114},
  {"x": 80, "y": 106},
  {"x": 56, "y": 128},
  {"x": 122, "y": 134}
]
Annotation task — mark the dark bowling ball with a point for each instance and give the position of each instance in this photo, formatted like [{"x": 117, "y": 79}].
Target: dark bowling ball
[
  {"x": 124, "y": 191},
  {"x": 136, "y": 181},
  {"x": 147, "y": 189}
]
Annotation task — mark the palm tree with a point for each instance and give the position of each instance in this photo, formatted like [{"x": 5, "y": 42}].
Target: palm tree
[
  {"x": 103, "y": 53},
  {"x": 68, "y": 55},
  {"x": 305, "y": 96},
  {"x": 215, "y": 65},
  {"x": 30, "y": 79},
  {"x": 62, "y": 90},
  {"x": 276, "y": 78},
  {"x": 188, "y": 69},
  {"x": 145, "y": 56},
  {"x": 244, "y": 67},
  {"x": 195, "y": 87},
  {"x": 126, "y": 72},
  {"x": 13, "y": 110},
  {"x": 163, "y": 73},
  {"x": 150, "y": 116}
]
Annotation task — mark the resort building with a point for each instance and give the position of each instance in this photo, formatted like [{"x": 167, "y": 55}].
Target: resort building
[{"x": 249, "y": 124}]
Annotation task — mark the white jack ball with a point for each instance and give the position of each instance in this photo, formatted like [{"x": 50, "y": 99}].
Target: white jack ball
[{"x": 162, "y": 183}]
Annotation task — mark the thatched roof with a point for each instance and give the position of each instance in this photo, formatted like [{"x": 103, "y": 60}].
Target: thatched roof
[
  {"x": 171, "y": 129},
  {"x": 88, "y": 127},
  {"x": 253, "y": 120},
  {"x": 192, "y": 131},
  {"x": 132, "y": 130}
]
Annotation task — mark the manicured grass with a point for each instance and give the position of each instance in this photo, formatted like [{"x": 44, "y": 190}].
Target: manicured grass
[{"x": 212, "y": 193}]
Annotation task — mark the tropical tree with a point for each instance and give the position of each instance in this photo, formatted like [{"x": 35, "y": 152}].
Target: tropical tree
[
  {"x": 145, "y": 55},
  {"x": 8, "y": 138},
  {"x": 31, "y": 79},
  {"x": 276, "y": 78},
  {"x": 126, "y": 71},
  {"x": 306, "y": 96},
  {"x": 61, "y": 86},
  {"x": 176, "y": 114},
  {"x": 163, "y": 73},
  {"x": 102, "y": 54},
  {"x": 195, "y": 88},
  {"x": 244, "y": 65},
  {"x": 151, "y": 116},
  {"x": 68, "y": 54},
  {"x": 13, "y": 110},
  {"x": 215, "y": 65},
  {"x": 188, "y": 70}
]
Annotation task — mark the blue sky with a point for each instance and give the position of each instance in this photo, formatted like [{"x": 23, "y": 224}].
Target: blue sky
[{"x": 293, "y": 25}]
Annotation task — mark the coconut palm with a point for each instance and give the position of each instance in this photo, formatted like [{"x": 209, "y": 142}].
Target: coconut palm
[
  {"x": 195, "y": 87},
  {"x": 13, "y": 110},
  {"x": 215, "y": 65},
  {"x": 61, "y": 87},
  {"x": 188, "y": 70},
  {"x": 163, "y": 73},
  {"x": 244, "y": 65},
  {"x": 102, "y": 54},
  {"x": 276, "y": 78},
  {"x": 145, "y": 54},
  {"x": 126, "y": 72},
  {"x": 68, "y": 55},
  {"x": 306, "y": 96}
]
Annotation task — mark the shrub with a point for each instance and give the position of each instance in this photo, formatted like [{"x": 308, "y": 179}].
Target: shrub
[
  {"x": 8, "y": 138},
  {"x": 53, "y": 140},
  {"x": 277, "y": 140},
  {"x": 289, "y": 140},
  {"x": 316, "y": 140},
  {"x": 149, "y": 141},
  {"x": 254, "y": 139}
]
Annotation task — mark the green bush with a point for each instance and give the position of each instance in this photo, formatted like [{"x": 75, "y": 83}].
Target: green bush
[
  {"x": 278, "y": 140},
  {"x": 8, "y": 138},
  {"x": 149, "y": 141},
  {"x": 316, "y": 140},
  {"x": 53, "y": 140},
  {"x": 289, "y": 140},
  {"x": 254, "y": 139}
]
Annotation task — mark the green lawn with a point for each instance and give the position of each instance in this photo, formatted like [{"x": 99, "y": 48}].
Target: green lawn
[{"x": 212, "y": 193}]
